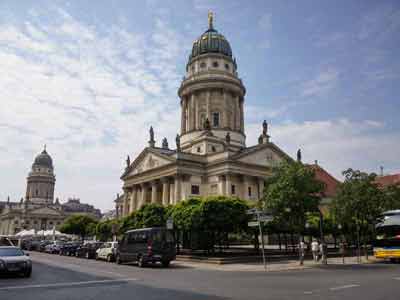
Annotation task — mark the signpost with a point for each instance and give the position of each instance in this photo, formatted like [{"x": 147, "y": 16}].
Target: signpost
[
  {"x": 261, "y": 217},
  {"x": 170, "y": 224}
]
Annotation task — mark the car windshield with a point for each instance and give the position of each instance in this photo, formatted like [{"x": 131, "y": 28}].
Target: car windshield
[{"x": 11, "y": 252}]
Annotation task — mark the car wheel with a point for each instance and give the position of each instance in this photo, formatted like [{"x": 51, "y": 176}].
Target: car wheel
[
  {"x": 118, "y": 260},
  {"x": 141, "y": 262},
  {"x": 28, "y": 273},
  {"x": 165, "y": 263}
]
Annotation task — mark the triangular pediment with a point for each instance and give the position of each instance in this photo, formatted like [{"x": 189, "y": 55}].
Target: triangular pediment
[
  {"x": 45, "y": 211},
  {"x": 264, "y": 155},
  {"x": 148, "y": 160}
]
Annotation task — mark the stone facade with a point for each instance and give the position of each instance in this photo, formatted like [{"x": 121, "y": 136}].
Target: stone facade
[
  {"x": 211, "y": 157},
  {"x": 38, "y": 210}
]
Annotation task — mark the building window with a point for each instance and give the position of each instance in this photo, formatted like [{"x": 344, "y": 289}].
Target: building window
[
  {"x": 198, "y": 149},
  {"x": 233, "y": 189},
  {"x": 213, "y": 149},
  {"x": 215, "y": 119},
  {"x": 227, "y": 67},
  {"x": 27, "y": 222},
  {"x": 203, "y": 65},
  {"x": 249, "y": 191},
  {"x": 16, "y": 222},
  {"x": 35, "y": 222},
  {"x": 51, "y": 223},
  {"x": 215, "y": 64},
  {"x": 195, "y": 189},
  {"x": 58, "y": 223},
  {"x": 37, "y": 192}
]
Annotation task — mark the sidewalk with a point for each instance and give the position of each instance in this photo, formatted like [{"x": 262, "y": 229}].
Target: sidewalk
[{"x": 287, "y": 265}]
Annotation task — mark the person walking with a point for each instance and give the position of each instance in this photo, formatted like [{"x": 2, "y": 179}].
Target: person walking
[{"x": 314, "y": 250}]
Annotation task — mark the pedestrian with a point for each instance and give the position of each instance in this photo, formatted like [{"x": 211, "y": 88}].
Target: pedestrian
[
  {"x": 302, "y": 248},
  {"x": 314, "y": 250}
]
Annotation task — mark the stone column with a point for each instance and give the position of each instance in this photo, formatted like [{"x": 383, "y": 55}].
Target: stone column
[
  {"x": 208, "y": 106},
  {"x": 133, "y": 199},
  {"x": 154, "y": 191},
  {"x": 224, "y": 121},
  {"x": 261, "y": 185},
  {"x": 126, "y": 203},
  {"x": 221, "y": 185},
  {"x": 143, "y": 194},
  {"x": 192, "y": 123},
  {"x": 183, "y": 129},
  {"x": 236, "y": 113},
  {"x": 177, "y": 185},
  {"x": 241, "y": 115},
  {"x": 165, "y": 191},
  {"x": 228, "y": 184}
]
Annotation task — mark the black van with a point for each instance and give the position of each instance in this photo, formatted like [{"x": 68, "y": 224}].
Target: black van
[{"x": 147, "y": 245}]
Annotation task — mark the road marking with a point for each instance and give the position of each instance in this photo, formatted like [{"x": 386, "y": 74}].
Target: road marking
[
  {"x": 67, "y": 284},
  {"x": 342, "y": 287},
  {"x": 396, "y": 278}
]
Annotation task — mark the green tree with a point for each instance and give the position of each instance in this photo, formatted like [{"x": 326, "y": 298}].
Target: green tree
[
  {"x": 81, "y": 225},
  {"x": 358, "y": 203},
  {"x": 104, "y": 230},
  {"x": 392, "y": 197},
  {"x": 292, "y": 192}
]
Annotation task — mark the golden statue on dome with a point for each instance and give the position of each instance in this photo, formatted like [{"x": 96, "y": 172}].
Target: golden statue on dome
[{"x": 210, "y": 19}]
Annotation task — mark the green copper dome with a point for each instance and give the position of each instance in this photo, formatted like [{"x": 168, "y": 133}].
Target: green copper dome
[{"x": 210, "y": 41}]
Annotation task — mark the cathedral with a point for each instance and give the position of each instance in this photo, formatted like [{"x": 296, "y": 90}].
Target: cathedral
[
  {"x": 38, "y": 210},
  {"x": 211, "y": 156}
]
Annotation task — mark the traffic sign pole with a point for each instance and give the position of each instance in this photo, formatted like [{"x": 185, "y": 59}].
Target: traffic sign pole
[{"x": 262, "y": 240}]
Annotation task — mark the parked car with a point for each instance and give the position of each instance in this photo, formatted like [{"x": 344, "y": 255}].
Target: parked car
[
  {"x": 5, "y": 241},
  {"x": 43, "y": 244},
  {"x": 88, "y": 250},
  {"x": 148, "y": 245},
  {"x": 69, "y": 249},
  {"x": 14, "y": 260},
  {"x": 31, "y": 245},
  {"x": 107, "y": 251},
  {"x": 53, "y": 247}
]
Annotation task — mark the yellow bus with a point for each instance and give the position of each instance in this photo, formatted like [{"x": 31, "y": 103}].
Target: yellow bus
[{"x": 387, "y": 242}]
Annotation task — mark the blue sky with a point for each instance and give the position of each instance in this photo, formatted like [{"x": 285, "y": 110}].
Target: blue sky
[{"x": 89, "y": 78}]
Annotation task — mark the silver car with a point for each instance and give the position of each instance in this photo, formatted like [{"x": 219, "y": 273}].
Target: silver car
[{"x": 14, "y": 260}]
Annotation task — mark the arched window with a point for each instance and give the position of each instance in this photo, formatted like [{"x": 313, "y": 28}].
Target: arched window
[
  {"x": 215, "y": 64},
  {"x": 215, "y": 119},
  {"x": 203, "y": 65},
  {"x": 37, "y": 192}
]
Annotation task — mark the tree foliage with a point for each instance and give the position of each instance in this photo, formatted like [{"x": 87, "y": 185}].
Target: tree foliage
[
  {"x": 290, "y": 193},
  {"x": 81, "y": 225}
]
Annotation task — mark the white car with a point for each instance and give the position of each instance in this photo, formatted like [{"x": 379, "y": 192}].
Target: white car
[{"x": 107, "y": 251}]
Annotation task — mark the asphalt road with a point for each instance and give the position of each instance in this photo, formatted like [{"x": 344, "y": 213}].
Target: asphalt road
[{"x": 57, "y": 278}]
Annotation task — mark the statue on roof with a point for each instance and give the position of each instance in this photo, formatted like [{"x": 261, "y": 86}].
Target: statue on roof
[
  {"x": 165, "y": 143},
  {"x": 128, "y": 161},
  {"x": 207, "y": 125},
  {"x": 265, "y": 127},
  {"x": 178, "y": 143},
  {"x": 228, "y": 138},
  {"x": 151, "y": 141},
  {"x": 299, "y": 155}
]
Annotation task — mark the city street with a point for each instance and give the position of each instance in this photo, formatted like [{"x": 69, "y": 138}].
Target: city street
[{"x": 59, "y": 277}]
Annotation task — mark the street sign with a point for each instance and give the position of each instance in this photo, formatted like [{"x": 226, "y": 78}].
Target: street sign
[
  {"x": 170, "y": 224},
  {"x": 253, "y": 224},
  {"x": 265, "y": 218},
  {"x": 251, "y": 211}
]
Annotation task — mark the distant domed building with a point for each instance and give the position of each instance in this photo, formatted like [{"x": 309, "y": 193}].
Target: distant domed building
[
  {"x": 211, "y": 156},
  {"x": 38, "y": 210}
]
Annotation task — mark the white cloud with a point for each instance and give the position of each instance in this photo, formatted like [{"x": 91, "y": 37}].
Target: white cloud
[
  {"x": 320, "y": 84},
  {"x": 89, "y": 93},
  {"x": 337, "y": 144}
]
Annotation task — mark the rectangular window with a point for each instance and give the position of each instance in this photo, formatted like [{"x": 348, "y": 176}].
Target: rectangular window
[
  {"x": 233, "y": 189},
  {"x": 195, "y": 190},
  {"x": 215, "y": 119},
  {"x": 249, "y": 191}
]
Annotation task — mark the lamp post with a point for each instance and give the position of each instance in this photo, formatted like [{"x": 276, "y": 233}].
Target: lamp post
[
  {"x": 342, "y": 245},
  {"x": 323, "y": 246}
]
